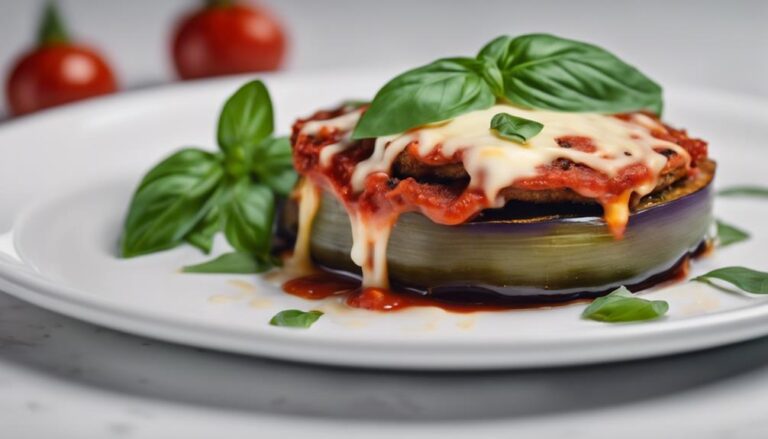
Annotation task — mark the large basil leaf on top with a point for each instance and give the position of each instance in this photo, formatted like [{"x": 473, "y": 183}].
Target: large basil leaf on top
[
  {"x": 170, "y": 201},
  {"x": 273, "y": 165},
  {"x": 248, "y": 214},
  {"x": 548, "y": 72},
  {"x": 432, "y": 93},
  {"x": 245, "y": 120}
]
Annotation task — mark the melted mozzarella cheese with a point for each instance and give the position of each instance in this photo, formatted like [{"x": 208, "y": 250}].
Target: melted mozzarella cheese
[
  {"x": 369, "y": 249},
  {"x": 494, "y": 163},
  {"x": 500, "y": 162},
  {"x": 344, "y": 123},
  {"x": 307, "y": 196}
]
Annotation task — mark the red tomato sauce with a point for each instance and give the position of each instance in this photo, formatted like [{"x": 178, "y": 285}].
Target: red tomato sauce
[
  {"x": 385, "y": 196},
  {"x": 323, "y": 285}
]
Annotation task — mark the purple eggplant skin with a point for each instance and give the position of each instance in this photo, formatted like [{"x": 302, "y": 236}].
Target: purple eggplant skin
[{"x": 548, "y": 259}]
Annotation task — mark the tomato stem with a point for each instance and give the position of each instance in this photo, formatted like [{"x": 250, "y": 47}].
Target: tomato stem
[
  {"x": 52, "y": 29},
  {"x": 219, "y": 3}
]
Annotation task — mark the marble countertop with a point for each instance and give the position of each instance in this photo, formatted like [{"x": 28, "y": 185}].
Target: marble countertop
[{"x": 66, "y": 379}]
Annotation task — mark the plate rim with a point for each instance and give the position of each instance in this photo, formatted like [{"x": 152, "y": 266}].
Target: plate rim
[{"x": 744, "y": 323}]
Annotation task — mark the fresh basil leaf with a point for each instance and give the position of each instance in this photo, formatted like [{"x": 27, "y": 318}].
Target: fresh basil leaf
[
  {"x": 273, "y": 165},
  {"x": 747, "y": 279},
  {"x": 728, "y": 234},
  {"x": 549, "y": 72},
  {"x": 515, "y": 128},
  {"x": 170, "y": 201},
  {"x": 744, "y": 191},
  {"x": 232, "y": 263},
  {"x": 622, "y": 306},
  {"x": 245, "y": 121},
  {"x": 203, "y": 233},
  {"x": 492, "y": 76},
  {"x": 435, "y": 92},
  {"x": 248, "y": 216},
  {"x": 294, "y": 318}
]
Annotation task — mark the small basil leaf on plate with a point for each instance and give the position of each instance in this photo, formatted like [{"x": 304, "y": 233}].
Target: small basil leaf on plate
[
  {"x": 248, "y": 215},
  {"x": 728, "y": 234},
  {"x": 273, "y": 165},
  {"x": 747, "y": 279},
  {"x": 245, "y": 121},
  {"x": 170, "y": 201},
  {"x": 294, "y": 318},
  {"x": 515, "y": 128},
  {"x": 234, "y": 263},
  {"x": 744, "y": 191},
  {"x": 622, "y": 306},
  {"x": 432, "y": 93},
  {"x": 549, "y": 72}
]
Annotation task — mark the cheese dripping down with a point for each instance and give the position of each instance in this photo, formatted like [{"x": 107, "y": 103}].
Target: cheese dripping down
[
  {"x": 307, "y": 196},
  {"x": 494, "y": 163}
]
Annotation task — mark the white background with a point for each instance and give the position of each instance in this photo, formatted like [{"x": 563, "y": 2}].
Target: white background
[
  {"x": 61, "y": 378},
  {"x": 714, "y": 43}
]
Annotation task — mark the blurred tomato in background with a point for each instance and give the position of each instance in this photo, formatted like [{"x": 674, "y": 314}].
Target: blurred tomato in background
[
  {"x": 227, "y": 37},
  {"x": 57, "y": 70}
]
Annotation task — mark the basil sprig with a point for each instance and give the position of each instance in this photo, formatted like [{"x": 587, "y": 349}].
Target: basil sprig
[
  {"x": 194, "y": 194},
  {"x": 747, "y": 279},
  {"x": 515, "y": 128},
  {"x": 728, "y": 234},
  {"x": 294, "y": 318},
  {"x": 622, "y": 306},
  {"x": 532, "y": 71}
]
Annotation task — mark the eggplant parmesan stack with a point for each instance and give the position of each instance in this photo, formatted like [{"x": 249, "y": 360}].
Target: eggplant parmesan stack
[
  {"x": 512, "y": 201},
  {"x": 455, "y": 212}
]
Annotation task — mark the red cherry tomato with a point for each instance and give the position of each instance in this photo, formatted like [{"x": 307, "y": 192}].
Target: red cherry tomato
[
  {"x": 55, "y": 75},
  {"x": 57, "y": 71},
  {"x": 227, "y": 39}
]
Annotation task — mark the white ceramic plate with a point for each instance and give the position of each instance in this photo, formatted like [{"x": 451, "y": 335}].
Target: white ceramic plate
[{"x": 66, "y": 177}]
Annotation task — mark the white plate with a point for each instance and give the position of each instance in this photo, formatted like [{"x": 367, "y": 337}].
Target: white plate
[{"x": 66, "y": 177}]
